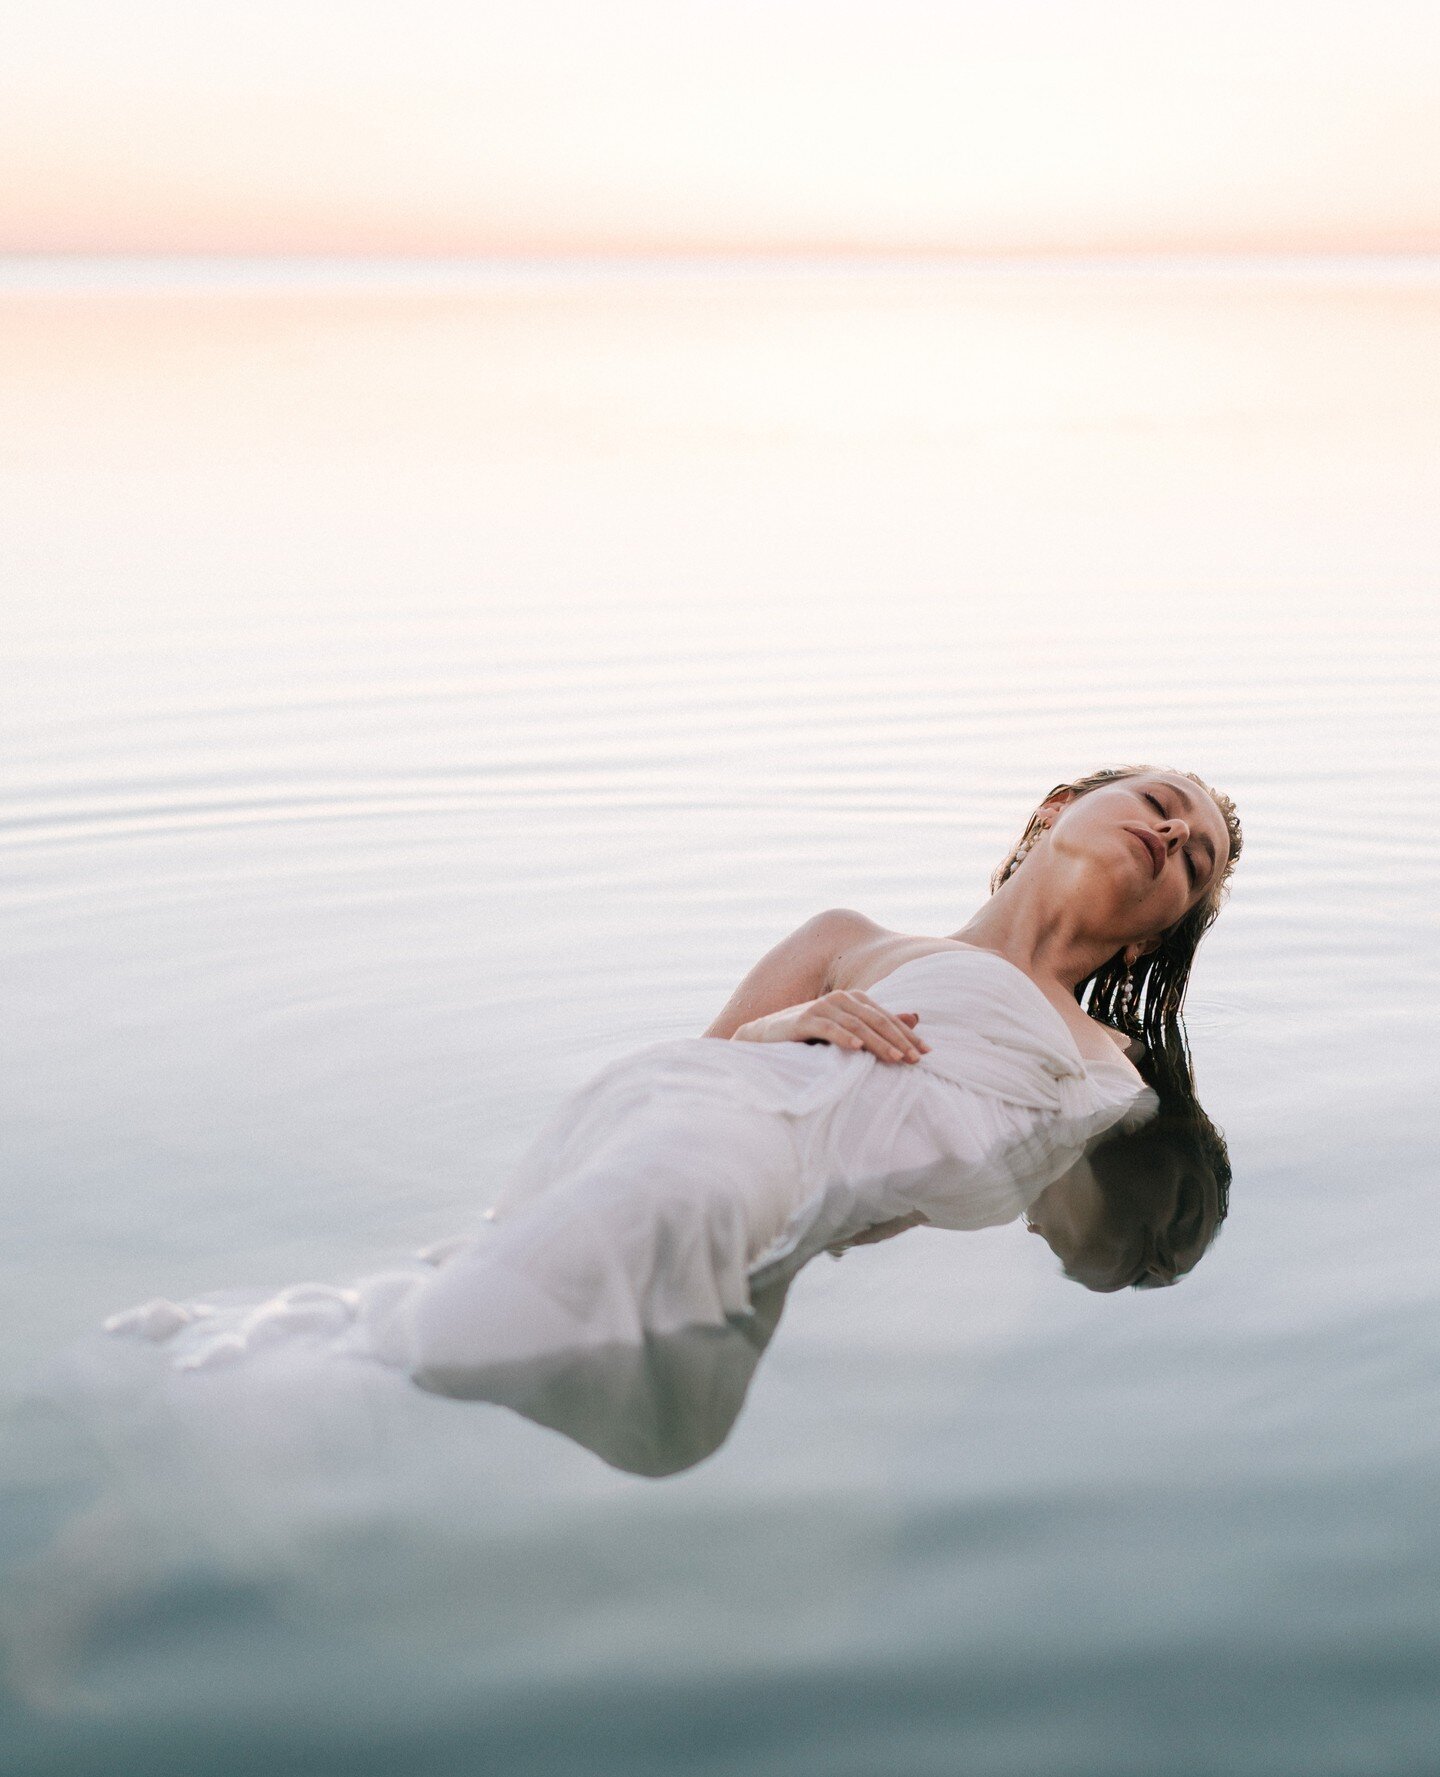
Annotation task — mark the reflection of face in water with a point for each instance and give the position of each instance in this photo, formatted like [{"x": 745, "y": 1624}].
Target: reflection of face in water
[{"x": 1142, "y": 1208}]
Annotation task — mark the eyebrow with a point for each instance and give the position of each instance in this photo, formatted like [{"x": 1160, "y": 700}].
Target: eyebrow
[{"x": 1187, "y": 802}]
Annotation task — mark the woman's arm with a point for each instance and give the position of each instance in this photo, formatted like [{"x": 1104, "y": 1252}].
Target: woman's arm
[
  {"x": 787, "y": 996},
  {"x": 796, "y": 970}
]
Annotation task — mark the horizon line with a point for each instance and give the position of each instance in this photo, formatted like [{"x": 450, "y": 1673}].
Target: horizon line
[
  {"x": 847, "y": 251},
  {"x": 22, "y": 272}
]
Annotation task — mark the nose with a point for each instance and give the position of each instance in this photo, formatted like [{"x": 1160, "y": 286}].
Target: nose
[{"x": 1174, "y": 831}]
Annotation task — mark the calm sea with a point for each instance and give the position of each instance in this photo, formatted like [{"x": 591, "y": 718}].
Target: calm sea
[{"x": 422, "y": 688}]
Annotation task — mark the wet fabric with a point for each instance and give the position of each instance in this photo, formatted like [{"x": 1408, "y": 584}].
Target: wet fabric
[{"x": 684, "y": 1177}]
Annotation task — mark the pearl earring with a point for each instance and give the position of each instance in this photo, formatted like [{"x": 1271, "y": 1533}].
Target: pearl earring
[
  {"x": 1127, "y": 999},
  {"x": 1029, "y": 840}
]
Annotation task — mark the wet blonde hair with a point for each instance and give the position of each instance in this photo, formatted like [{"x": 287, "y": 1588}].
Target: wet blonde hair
[{"x": 1160, "y": 979}]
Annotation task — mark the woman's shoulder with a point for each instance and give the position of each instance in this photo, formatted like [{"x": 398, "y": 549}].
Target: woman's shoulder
[
  {"x": 845, "y": 922},
  {"x": 1128, "y": 1047},
  {"x": 865, "y": 952},
  {"x": 842, "y": 935}
]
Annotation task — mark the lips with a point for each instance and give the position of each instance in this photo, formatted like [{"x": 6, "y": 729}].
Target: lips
[{"x": 1152, "y": 845}]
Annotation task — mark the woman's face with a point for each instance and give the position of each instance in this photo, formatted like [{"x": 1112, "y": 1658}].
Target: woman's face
[{"x": 1152, "y": 846}]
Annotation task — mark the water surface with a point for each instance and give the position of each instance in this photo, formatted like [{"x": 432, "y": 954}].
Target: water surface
[{"x": 418, "y": 696}]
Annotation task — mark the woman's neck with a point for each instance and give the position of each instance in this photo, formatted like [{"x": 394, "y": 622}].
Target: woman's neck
[{"x": 1039, "y": 934}]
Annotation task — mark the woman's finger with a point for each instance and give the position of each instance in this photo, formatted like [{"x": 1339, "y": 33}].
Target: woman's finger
[
  {"x": 892, "y": 1031},
  {"x": 898, "y": 1026},
  {"x": 888, "y": 1046},
  {"x": 820, "y": 1027},
  {"x": 839, "y": 1028},
  {"x": 875, "y": 1006}
]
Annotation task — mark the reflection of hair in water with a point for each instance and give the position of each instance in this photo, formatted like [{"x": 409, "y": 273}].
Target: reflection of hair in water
[{"x": 1145, "y": 1204}]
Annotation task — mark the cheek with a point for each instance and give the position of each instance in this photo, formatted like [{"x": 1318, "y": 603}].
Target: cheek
[{"x": 1179, "y": 894}]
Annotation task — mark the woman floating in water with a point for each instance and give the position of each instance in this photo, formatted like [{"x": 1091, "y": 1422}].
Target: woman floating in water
[
  {"x": 859, "y": 1082},
  {"x": 1139, "y": 1208}
]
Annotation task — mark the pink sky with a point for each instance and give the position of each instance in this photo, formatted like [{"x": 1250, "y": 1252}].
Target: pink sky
[{"x": 636, "y": 125}]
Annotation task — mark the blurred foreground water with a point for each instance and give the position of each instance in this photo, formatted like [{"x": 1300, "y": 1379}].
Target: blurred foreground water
[{"x": 421, "y": 690}]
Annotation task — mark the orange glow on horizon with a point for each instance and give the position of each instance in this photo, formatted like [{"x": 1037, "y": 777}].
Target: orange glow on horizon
[{"x": 666, "y": 128}]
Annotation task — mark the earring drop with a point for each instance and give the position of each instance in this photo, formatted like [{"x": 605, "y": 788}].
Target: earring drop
[
  {"x": 1022, "y": 851},
  {"x": 1127, "y": 999}
]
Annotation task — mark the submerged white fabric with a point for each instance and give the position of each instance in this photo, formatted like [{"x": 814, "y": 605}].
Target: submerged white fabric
[{"x": 694, "y": 1170}]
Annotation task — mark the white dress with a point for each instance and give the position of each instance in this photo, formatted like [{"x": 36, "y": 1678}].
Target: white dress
[{"x": 690, "y": 1173}]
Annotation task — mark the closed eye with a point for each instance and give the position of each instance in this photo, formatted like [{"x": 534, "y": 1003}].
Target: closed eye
[{"x": 1191, "y": 868}]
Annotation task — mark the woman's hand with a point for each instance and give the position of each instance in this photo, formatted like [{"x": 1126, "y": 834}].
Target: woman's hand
[{"x": 848, "y": 1020}]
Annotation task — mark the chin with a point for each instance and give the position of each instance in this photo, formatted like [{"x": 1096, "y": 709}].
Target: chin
[{"x": 1100, "y": 1285}]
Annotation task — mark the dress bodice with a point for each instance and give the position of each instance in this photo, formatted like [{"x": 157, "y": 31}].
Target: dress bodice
[{"x": 969, "y": 989}]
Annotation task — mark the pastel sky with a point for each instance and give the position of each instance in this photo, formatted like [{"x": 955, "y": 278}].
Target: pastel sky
[{"x": 431, "y": 127}]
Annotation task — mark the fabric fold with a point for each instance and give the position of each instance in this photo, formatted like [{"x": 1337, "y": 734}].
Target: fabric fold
[{"x": 690, "y": 1174}]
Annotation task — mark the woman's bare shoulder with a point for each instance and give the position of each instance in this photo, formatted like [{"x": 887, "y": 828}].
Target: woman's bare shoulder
[
  {"x": 799, "y": 968},
  {"x": 1128, "y": 1047},
  {"x": 845, "y": 923},
  {"x": 874, "y": 951},
  {"x": 842, "y": 934}
]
